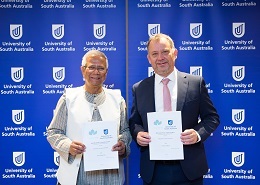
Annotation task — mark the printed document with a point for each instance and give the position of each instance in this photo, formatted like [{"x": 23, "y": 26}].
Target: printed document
[
  {"x": 165, "y": 130},
  {"x": 99, "y": 138}
]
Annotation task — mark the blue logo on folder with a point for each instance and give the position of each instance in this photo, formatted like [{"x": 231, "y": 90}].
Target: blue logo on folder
[
  {"x": 170, "y": 122},
  {"x": 105, "y": 131}
]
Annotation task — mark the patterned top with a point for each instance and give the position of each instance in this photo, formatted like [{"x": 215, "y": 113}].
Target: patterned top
[{"x": 56, "y": 135}]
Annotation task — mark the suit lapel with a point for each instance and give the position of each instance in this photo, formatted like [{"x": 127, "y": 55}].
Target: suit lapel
[
  {"x": 182, "y": 89},
  {"x": 149, "y": 88}
]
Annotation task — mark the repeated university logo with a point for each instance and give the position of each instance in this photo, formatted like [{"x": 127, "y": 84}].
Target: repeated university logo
[
  {"x": 16, "y": 31},
  {"x": 153, "y": 29},
  {"x": 18, "y": 116},
  {"x": 238, "y": 29},
  {"x": 58, "y": 31},
  {"x": 17, "y": 74},
  {"x": 238, "y": 73},
  {"x": 56, "y": 158},
  {"x": 18, "y": 158},
  {"x": 99, "y": 30},
  {"x": 238, "y": 158},
  {"x": 150, "y": 71},
  {"x": 196, "y": 70},
  {"x": 238, "y": 116},
  {"x": 58, "y": 73},
  {"x": 195, "y": 30}
]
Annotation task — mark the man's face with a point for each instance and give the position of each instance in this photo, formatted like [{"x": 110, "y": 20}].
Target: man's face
[
  {"x": 161, "y": 56},
  {"x": 95, "y": 71}
]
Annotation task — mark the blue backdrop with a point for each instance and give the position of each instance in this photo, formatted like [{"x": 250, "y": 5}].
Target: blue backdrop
[{"x": 42, "y": 43}]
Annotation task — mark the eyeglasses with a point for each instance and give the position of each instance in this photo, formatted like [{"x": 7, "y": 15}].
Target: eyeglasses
[{"x": 98, "y": 68}]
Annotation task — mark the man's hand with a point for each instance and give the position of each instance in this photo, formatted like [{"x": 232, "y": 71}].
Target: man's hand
[
  {"x": 143, "y": 138},
  {"x": 120, "y": 147},
  {"x": 189, "y": 137},
  {"x": 77, "y": 148}
]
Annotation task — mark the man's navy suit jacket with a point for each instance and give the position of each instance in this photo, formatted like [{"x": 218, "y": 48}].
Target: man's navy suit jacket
[{"x": 194, "y": 103}]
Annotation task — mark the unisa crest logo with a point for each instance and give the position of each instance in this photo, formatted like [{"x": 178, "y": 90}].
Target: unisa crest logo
[
  {"x": 58, "y": 73},
  {"x": 99, "y": 30},
  {"x": 195, "y": 30},
  {"x": 105, "y": 131},
  {"x": 238, "y": 116},
  {"x": 57, "y": 31},
  {"x": 16, "y": 31},
  {"x": 153, "y": 29},
  {"x": 238, "y": 158},
  {"x": 238, "y": 73},
  {"x": 238, "y": 29},
  {"x": 17, "y": 74},
  {"x": 18, "y": 116},
  {"x": 196, "y": 70},
  {"x": 56, "y": 158},
  {"x": 150, "y": 71},
  {"x": 18, "y": 158}
]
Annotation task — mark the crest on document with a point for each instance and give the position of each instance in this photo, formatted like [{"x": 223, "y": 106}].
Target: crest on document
[
  {"x": 56, "y": 158},
  {"x": 238, "y": 158},
  {"x": 99, "y": 31},
  {"x": 17, "y": 74},
  {"x": 195, "y": 30},
  {"x": 238, "y": 73},
  {"x": 58, "y": 73},
  {"x": 18, "y": 116},
  {"x": 16, "y": 31},
  {"x": 18, "y": 158},
  {"x": 238, "y": 116},
  {"x": 105, "y": 131},
  {"x": 57, "y": 31},
  {"x": 150, "y": 71},
  {"x": 238, "y": 29},
  {"x": 196, "y": 70},
  {"x": 153, "y": 29},
  {"x": 170, "y": 122}
]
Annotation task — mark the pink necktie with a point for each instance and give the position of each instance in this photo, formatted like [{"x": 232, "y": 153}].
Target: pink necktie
[{"x": 166, "y": 95}]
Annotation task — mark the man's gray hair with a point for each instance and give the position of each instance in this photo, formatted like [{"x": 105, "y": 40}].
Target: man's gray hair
[
  {"x": 158, "y": 36},
  {"x": 93, "y": 53}
]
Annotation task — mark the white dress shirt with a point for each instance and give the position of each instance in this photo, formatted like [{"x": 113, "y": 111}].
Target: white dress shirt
[{"x": 158, "y": 91}]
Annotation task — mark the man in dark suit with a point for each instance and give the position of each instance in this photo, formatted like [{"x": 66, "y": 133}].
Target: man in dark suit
[{"x": 199, "y": 117}]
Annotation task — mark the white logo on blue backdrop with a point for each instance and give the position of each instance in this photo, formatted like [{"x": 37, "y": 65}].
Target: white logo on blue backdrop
[
  {"x": 238, "y": 29},
  {"x": 153, "y": 29},
  {"x": 58, "y": 73},
  {"x": 56, "y": 158},
  {"x": 150, "y": 71},
  {"x": 196, "y": 70},
  {"x": 58, "y": 31},
  {"x": 238, "y": 158},
  {"x": 238, "y": 116},
  {"x": 99, "y": 31},
  {"x": 16, "y": 31},
  {"x": 18, "y": 116},
  {"x": 17, "y": 74},
  {"x": 18, "y": 158},
  {"x": 238, "y": 73},
  {"x": 195, "y": 30}
]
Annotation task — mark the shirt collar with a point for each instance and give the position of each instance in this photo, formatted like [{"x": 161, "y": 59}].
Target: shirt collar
[{"x": 171, "y": 76}]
